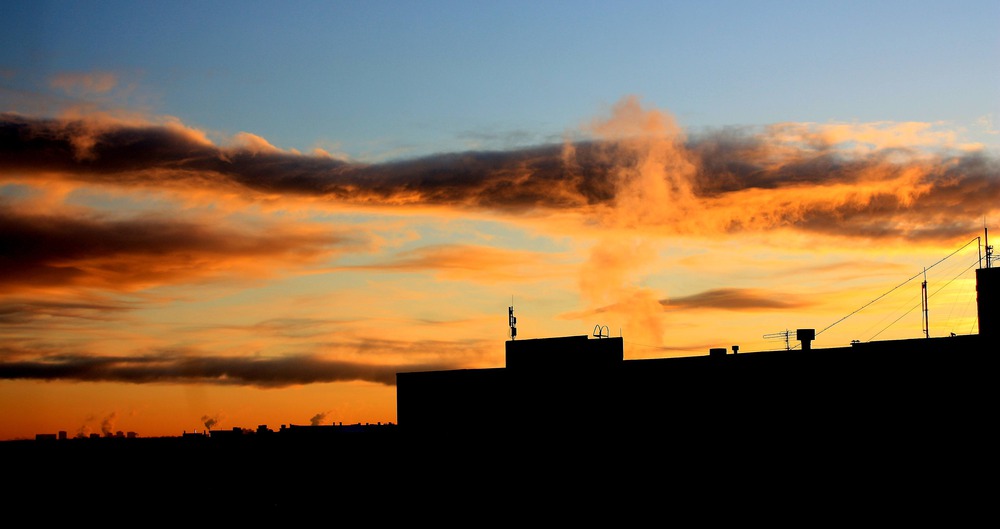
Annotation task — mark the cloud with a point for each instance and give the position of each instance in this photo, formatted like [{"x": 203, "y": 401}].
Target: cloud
[
  {"x": 253, "y": 144},
  {"x": 633, "y": 187},
  {"x": 53, "y": 250},
  {"x": 468, "y": 262},
  {"x": 865, "y": 136},
  {"x": 274, "y": 372},
  {"x": 749, "y": 183},
  {"x": 741, "y": 299},
  {"x": 24, "y": 312},
  {"x": 734, "y": 299},
  {"x": 84, "y": 83},
  {"x": 639, "y": 170},
  {"x": 367, "y": 359}
]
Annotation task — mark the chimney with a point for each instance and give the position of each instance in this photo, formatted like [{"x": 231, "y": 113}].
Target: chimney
[{"x": 806, "y": 336}]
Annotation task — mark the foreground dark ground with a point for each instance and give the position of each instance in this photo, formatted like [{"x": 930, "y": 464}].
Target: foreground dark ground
[{"x": 799, "y": 475}]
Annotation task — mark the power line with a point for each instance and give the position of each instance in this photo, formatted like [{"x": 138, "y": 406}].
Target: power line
[
  {"x": 898, "y": 286},
  {"x": 893, "y": 322},
  {"x": 932, "y": 295}
]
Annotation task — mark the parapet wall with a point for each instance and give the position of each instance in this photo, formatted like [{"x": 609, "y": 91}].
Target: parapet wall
[{"x": 570, "y": 353}]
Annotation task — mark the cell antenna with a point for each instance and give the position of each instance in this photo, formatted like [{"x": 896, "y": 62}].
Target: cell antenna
[
  {"x": 511, "y": 320},
  {"x": 989, "y": 249}
]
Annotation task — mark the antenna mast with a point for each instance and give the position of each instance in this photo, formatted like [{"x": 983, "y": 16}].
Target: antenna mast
[
  {"x": 511, "y": 320},
  {"x": 989, "y": 249}
]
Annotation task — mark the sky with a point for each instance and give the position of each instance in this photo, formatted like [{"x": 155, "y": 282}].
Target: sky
[{"x": 232, "y": 214}]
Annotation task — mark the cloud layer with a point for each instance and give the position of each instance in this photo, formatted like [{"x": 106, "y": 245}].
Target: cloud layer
[
  {"x": 203, "y": 211},
  {"x": 727, "y": 180},
  {"x": 201, "y": 369}
]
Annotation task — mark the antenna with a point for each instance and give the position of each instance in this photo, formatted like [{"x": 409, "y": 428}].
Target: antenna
[
  {"x": 780, "y": 335},
  {"x": 989, "y": 249},
  {"x": 511, "y": 320}
]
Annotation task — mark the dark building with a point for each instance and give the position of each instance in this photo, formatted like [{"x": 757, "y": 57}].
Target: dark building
[
  {"x": 582, "y": 388},
  {"x": 987, "y": 288}
]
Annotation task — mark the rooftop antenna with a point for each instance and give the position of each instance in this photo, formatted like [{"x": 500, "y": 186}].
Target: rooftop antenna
[
  {"x": 989, "y": 249},
  {"x": 511, "y": 320},
  {"x": 783, "y": 334}
]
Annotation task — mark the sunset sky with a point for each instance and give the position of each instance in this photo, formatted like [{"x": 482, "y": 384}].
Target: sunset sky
[{"x": 231, "y": 214}]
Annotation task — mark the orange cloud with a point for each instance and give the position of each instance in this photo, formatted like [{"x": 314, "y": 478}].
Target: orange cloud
[
  {"x": 252, "y": 143},
  {"x": 865, "y": 136},
  {"x": 644, "y": 172},
  {"x": 73, "y": 264},
  {"x": 469, "y": 262}
]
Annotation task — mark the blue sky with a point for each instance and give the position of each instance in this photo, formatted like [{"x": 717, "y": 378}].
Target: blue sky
[{"x": 377, "y": 80}]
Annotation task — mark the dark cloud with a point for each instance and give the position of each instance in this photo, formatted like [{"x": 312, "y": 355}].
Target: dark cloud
[
  {"x": 735, "y": 299},
  {"x": 129, "y": 155},
  {"x": 943, "y": 195},
  {"x": 53, "y": 250},
  {"x": 948, "y": 200},
  {"x": 26, "y": 311},
  {"x": 42, "y": 361},
  {"x": 260, "y": 372}
]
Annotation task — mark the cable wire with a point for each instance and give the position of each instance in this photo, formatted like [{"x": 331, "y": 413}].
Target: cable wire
[{"x": 898, "y": 286}]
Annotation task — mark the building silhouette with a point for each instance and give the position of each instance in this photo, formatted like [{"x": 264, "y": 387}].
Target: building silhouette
[{"x": 581, "y": 388}]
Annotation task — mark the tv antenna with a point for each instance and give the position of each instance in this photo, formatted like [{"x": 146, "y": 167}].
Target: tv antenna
[{"x": 784, "y": 335}]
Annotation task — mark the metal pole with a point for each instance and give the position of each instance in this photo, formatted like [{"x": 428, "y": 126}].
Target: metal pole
[{"x": 923, "y": 288}]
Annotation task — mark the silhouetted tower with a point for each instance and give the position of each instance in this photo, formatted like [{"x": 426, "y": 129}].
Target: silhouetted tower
[
  {"x": 989, "y": 249},
  {"x": 987, "y": 292},
  {"x": 512, "y": 321}
]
